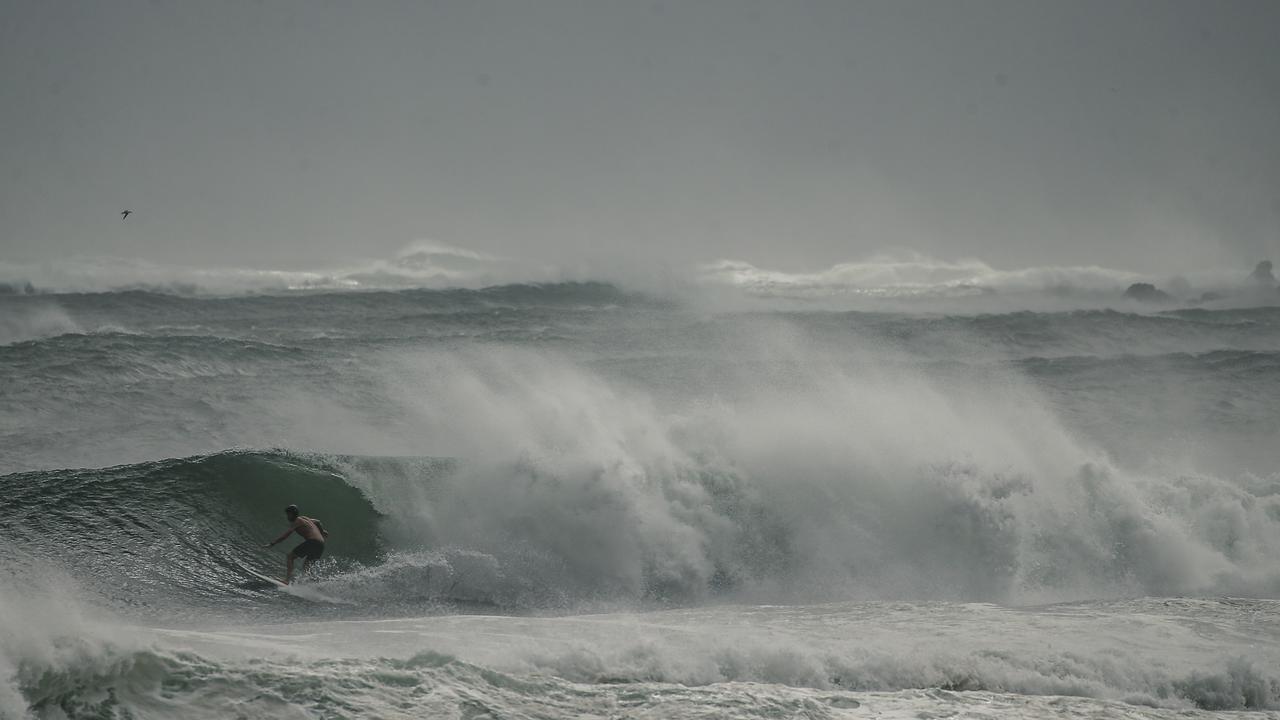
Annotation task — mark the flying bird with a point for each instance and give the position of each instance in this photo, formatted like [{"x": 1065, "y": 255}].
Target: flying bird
[{"x": 125, "y": 214}]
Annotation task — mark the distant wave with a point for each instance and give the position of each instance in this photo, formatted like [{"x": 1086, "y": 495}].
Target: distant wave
[
  {"x": 914, "y": 274},
  {"x": 420, "y": 265},
  {"x": 911, "y": 280},
  {"x": 903, "y": 282}
]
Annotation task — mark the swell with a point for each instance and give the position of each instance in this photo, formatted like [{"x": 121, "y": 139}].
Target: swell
[
  {"x": 114, "y": 357},
  {"x": 498, "y": 313},
  {"x": 603, "y": 319},
  {"x": 1049, "y": 349},
  {"x": 605, "y": 315}
]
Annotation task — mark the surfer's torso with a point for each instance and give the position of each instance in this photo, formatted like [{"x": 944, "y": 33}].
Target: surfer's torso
[{"x": 306, "y": 527}]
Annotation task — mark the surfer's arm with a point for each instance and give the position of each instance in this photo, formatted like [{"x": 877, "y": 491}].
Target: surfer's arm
[
  {"x": 282, "y": 537},
  {"x": 320, "y": 527}
]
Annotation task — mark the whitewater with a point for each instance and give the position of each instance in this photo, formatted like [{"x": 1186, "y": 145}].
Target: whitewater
[{"x": 571, "y": 499}]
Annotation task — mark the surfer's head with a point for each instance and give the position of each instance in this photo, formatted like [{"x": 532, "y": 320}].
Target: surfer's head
[{"x": 291, "y": 512}]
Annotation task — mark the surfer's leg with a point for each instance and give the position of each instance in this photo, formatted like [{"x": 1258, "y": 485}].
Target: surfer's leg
[
  {"x": 288, "y": 569},
  {"x": 306, "y": 565}
]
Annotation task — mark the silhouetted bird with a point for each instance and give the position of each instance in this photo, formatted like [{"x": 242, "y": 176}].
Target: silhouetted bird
[{"x": 125, "y": 213}]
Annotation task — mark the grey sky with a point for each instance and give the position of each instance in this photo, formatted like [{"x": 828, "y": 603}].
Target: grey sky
[{"x": 1141, "y": 135}]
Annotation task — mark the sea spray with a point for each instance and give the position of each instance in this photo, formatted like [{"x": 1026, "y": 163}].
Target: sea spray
[
  {"x": 878, "y": 485},
  {"x": 26, "y": 319},
  {"x": 53, "y": 650}
]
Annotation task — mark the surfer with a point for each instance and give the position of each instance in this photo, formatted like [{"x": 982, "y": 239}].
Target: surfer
[{"x": 312, "y": 545}]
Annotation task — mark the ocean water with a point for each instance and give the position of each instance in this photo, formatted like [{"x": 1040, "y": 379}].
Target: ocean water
[{"x": 574, "y": 500}]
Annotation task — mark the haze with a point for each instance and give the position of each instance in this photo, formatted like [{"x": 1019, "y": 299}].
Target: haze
[{"x": 792, "y": 135}]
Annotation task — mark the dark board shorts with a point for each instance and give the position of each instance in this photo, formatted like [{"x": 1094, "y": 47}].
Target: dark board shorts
[{"x": 309, "y": 549}]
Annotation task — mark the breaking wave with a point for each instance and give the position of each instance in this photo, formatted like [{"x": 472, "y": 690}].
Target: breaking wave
[{"x": 568, "y": 491}]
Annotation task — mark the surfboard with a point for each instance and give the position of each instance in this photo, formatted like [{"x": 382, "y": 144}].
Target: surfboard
[{"x": 267, "y": 578}]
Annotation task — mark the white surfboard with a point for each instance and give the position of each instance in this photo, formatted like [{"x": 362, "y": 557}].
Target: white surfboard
[{"x": 267, "y": 578}]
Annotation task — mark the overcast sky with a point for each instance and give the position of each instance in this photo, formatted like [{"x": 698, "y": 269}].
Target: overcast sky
[{"x": 793, "y": 135}]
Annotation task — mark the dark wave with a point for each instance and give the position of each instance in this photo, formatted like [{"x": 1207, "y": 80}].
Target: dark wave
[{"x": 183, "y": 529}]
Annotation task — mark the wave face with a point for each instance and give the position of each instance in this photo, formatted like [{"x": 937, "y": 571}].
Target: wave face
[
  {"x": 570, "y": 448},
  {"x": 177, "y": 533}
]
